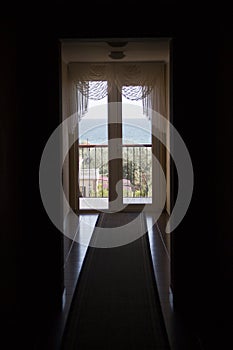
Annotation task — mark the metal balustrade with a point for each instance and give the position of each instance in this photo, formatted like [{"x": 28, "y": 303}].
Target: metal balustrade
[{"x": 94, "y": 172}]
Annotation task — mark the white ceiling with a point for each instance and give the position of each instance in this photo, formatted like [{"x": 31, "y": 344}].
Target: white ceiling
[{"x": 98, "y": 51}]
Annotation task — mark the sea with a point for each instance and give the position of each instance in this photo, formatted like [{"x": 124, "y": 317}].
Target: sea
[{"x": 95, "y": 131}]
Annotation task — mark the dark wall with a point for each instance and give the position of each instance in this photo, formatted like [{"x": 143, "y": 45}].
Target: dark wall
[
  {"x": 31, "y": 247},
  {"x": 194, "y": 241},
  {"x": 38, "y": 86},
  {"x": 224, "y": 176},
  {"x": 201, "y": 245},
  {"x": 10, "y": 184}
]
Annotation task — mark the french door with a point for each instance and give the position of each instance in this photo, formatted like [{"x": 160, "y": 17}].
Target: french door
[{"x": 114, "y": 155}]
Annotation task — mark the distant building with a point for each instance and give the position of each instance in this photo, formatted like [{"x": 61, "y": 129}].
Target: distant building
[
  {"x": 127, "y": 186},
  {"x": 88, "y": 182},
  {"x": 90, "y": 179},
  {"x": 104, "y": 181}
]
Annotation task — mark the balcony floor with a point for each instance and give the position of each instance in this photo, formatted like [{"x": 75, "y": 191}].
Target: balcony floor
[{"x": 102, "y": 203}]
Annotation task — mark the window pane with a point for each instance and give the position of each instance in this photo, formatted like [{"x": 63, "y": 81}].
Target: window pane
[
  {"x": 93, "y": 156},
  {"x": 137, "y": 153}
]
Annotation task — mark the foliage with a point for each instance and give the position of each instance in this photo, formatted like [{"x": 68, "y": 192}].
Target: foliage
[{"x": 102, "y": 192}]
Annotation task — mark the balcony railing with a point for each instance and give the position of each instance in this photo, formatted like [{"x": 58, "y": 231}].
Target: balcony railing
[{"x": 94, "y": 171}]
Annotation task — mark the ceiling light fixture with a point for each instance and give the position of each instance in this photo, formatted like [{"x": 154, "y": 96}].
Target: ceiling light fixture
[
  {"x": 116, "y": 55},
  {"x": 117, "y": 43}
]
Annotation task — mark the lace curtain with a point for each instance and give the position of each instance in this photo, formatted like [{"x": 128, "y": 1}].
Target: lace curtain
[{"x": 135, "y": 81}]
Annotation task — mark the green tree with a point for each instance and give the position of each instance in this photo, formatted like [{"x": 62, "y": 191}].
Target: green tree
[
  {"x": 131, "y": 172},
  {"x": 102, "y": 192}
]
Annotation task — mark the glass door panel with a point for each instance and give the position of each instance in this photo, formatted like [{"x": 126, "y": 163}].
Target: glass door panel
[
  {"x": 93, "y": 156},
  {"x": 136, "y": 154}
]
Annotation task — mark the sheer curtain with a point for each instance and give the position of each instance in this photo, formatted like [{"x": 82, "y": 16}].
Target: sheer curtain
[{"x": 136, "y": 81}]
